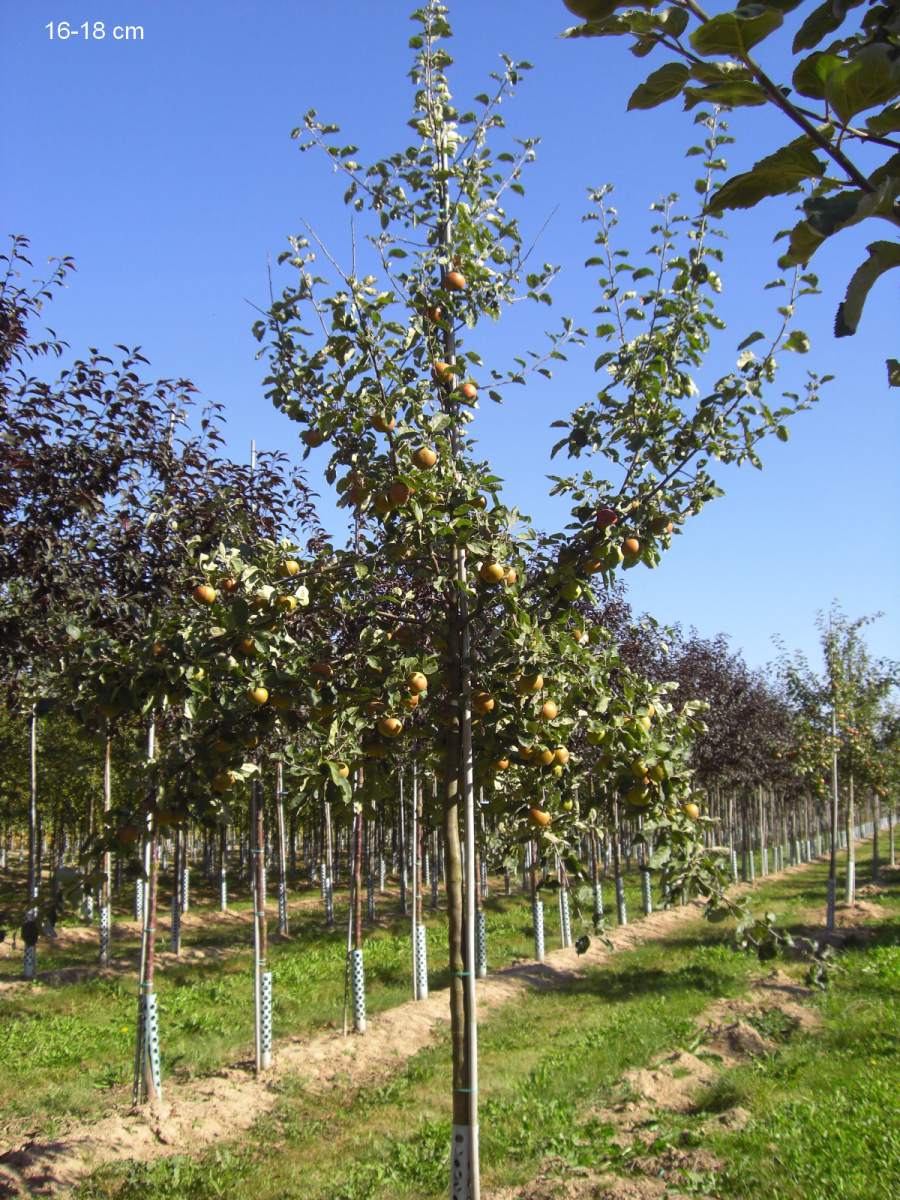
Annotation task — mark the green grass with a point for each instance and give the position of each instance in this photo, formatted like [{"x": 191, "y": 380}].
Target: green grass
[
  {"x": 825, "y": 1115},
  {"x": 540, "y": 1059},
  {"x": 78, "y": 1036},
  {"x": 826, "y": 1103}
]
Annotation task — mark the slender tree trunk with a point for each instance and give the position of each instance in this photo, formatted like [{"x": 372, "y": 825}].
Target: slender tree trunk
[
  {"x": 147, "y": 1084},
  {"x": 223, "y": 866},
  {"x": 401, "y": 847},
  {"x": 106, "y": 886},
  {"x": 260, "y": 929},
  {"x": 152, "y": 1091},
  {"x": 833, "y": 835},
  {"x": 459, "y": 784},
  {"x": 618, "y": 882},
  {"x": 33, "y": 871},
  {"x": 282, "y": 853},
  {"x": 357, "y": 880},
  {"x": 329, "y": 868},
  {"x": 414, "y": 875},
  {"x": 850, "y": 890},
  {"x": 876, "y": 822}
]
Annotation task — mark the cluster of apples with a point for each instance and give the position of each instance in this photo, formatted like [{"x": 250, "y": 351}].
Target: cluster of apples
[
  {"x": 493, "y": 573},
  {"x": 390, "y": 727},
  {"x": 613, "y": 544},
  {"x": 546, "y": 754},
  {"x": 465, "y": 391},
  {"x": 397, "y": 492}
]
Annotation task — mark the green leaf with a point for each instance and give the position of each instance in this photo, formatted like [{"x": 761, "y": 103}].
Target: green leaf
[
  {"x": 798, "y": 342},
  {"x": 773, "y": 175},
  {"x": 883, "y": 256},
  {"x": 736, "y": 33},
  {"x": 826, "y": 215},
  {"x": 782, "y": 433},
  {"x": 871, "y": 77},
  {"x": 820, "y": 22},
  {"x": 660, "y": 857},
  {"x": 674, "y": 21},
  {"x": 811, "y": 73},
  {"x": 592, "y": 10},
  {"x": 755, "y": 336},
  {"x": 893, "y": 371},
  {"x": 338, "y": 781},
  {"x": 738, "y": 93},
  {"x": 887, "y": 121},
  {"x": 663, "y": 84}
]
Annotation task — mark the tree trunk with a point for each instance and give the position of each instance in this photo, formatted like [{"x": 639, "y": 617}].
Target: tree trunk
[
  {"x": 106, "y": 886},
  {"x": 850, "y": 889},
  {"x": 282, "y": 853},
  {"x": 876, "y": 822},
  {"x": 260, "y": 932},
  {"x": 833, "y": 835},
  {"x": 618, "y": 882},
  {"x": 33, "y": 873}
]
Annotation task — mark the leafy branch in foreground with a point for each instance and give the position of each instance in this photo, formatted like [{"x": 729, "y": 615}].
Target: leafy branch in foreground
[{"x": 842, "y": 102}]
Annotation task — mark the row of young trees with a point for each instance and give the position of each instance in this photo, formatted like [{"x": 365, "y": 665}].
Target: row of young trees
[{"x": 192, "y": 618}]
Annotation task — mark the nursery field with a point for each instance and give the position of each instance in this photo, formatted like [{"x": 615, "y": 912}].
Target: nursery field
[
  {"x": 674, "y": 1065},
  {"x": 372, "y": 825}
]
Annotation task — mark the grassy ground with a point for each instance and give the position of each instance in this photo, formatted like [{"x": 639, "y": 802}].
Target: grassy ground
[
  {"x": 66, "y": 1051},
  {"x": 823, "y": 1120}
]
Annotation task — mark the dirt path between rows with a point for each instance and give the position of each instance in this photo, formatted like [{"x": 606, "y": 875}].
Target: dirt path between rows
[{"x": 197, "y": 1113}]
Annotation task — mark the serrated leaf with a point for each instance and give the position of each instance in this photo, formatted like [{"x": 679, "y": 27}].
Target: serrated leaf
[
  {"x": 777, "y": 173},
  {"x": 663, "y": 84},
  {"x": 883, "y": 256}
]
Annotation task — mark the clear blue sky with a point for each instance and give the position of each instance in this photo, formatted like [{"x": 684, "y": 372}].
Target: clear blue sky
[{"x": 165, "y": 167}]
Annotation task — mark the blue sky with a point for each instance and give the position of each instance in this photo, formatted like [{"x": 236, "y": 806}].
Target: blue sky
[{"x": 165, "y": 167}]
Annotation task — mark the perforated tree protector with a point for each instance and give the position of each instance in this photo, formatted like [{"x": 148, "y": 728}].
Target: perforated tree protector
[
  {"x": 358, "y": 990},
  {"x": 537, "y": 916},
  {"x": 266, "y": 1020},
  {"x": 421, "y": 963}
]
